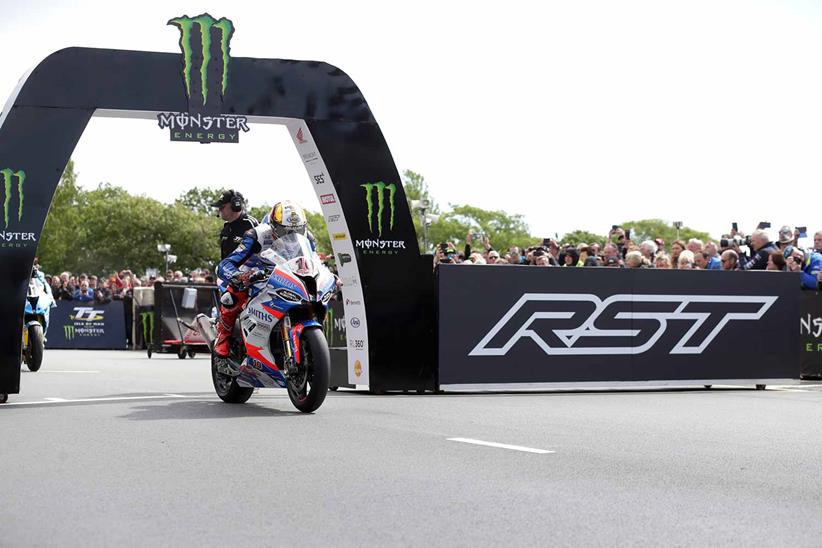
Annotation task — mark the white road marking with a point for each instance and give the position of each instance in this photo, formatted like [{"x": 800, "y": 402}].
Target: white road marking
[
  {"x": 47, "y": 371},
  {"x": 84, "y": 400},
  {"x": 502, "y": 445}
]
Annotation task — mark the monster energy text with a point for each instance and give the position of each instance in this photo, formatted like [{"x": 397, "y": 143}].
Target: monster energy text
[
  {"x": 13, "y": 183},
  {"x": 203, "y": 129},
  {"x": 377, "y": 221}
]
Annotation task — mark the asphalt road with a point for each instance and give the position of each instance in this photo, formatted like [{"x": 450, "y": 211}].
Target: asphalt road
[{"x": 143, "y": 453}]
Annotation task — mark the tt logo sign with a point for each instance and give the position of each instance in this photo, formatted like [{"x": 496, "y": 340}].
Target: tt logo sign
[
  {"x": 205, "y": 24},
  {"x": 87, "y": 314},
  {"x": 584, "y": 325}
]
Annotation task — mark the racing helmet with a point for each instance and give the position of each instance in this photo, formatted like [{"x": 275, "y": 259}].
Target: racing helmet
[{"x": 287, "y": 217}]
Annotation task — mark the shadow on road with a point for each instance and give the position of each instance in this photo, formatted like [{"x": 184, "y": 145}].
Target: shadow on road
[{"x": 177, "y": 410}]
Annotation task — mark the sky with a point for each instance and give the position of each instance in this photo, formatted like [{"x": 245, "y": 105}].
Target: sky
[{"x": 576, "y": 115}]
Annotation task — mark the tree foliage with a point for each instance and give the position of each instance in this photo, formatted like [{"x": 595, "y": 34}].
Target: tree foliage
[{"x": 648, "y": 229}]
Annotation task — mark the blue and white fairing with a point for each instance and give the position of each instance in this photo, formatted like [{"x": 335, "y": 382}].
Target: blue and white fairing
[
  {"x": 294, "y": 269},
  {"x": 40, "y": 293}
]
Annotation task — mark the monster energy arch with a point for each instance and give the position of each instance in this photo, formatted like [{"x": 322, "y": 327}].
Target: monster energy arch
[{"x": 202, "y": 94}]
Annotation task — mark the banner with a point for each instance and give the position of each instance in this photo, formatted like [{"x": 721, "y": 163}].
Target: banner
[
  {"x": 516, "y": 324},
  {"x": 81, "y": 325},
  {"x": 810, "y": 333}
]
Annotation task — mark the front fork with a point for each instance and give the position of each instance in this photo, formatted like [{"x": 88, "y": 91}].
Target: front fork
[{"x": 288, "y": 346}]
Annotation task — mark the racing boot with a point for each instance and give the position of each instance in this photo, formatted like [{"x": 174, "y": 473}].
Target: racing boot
[{"x": 231, "y": 304}]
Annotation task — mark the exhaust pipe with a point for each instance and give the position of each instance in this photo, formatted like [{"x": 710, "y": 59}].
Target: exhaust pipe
[{"x": 207, "y": 329}]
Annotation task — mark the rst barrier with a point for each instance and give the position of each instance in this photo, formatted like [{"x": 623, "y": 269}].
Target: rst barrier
[
  {"x": 810, "y": 328},
  {"x": 511, "y": 324},
  {"x": 81, "y": 325}
]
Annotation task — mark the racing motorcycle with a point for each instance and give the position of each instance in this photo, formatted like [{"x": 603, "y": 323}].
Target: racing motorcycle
[
  {"x": 278, "y": 339},
  {"x": 36, "y": 323}
]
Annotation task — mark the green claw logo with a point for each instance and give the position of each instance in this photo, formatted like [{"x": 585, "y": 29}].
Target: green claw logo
[
  {"x": 328, "y": 326},
  {"x": 8, "y": 178},
  {"x": 206, "y": 24},
  {"x": 68, "y": 331},
  {"x": 147, "y": 319},
  {"x": 380, "y": 187}
]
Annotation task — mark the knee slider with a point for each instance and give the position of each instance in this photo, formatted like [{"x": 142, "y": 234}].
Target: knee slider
[{"x": 228, "y": 299}]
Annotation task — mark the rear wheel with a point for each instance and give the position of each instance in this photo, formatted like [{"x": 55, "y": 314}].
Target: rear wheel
[
  {"x": 4, "y": 398},
  {"x": 226, "y": 386},
  {"x": 308, "y": 388},
  {"x": 36, "y": 347}
]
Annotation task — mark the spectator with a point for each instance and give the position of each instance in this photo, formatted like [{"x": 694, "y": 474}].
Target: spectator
[
  {"x": 493, "y": 256},
  {"x": 648, "y": 248},
  {"x": 817, "y": 242},
  {"x": 103, "y": 293},
  {"x": 776, "y": 261},
  {"x": 84, "y": 293},
  {"x": 729, "y": 259},
  {"x": 663, "y": 260},
  {"x": 714, "y": 262},
  {"x": 611, "y": 255},
  {"x": 786, "y": 238},
  {"x": 634, "y": 259},
  {"x": 762, "y": 247},
  {"x": 515, "y": 255},
  {"x": 701, "y": 260},
  {"x": 808, "y": 264},
  {"x": 477, "y": 258},
  {"x": 695, "y": 246},
  {"x": 676, "y": 248},
  {"x": 571, "y": 257},
  {"x": 686, "y": 260}
]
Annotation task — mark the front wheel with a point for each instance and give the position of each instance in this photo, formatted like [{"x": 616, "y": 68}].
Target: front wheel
[
  {"x": 307, "y": 389},
  {"x": 226, "y": 386},
  {"x": 36, "y": 347}
]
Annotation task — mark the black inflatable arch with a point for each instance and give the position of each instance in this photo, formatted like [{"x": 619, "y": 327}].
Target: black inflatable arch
[{"x": 43, "y": 123}]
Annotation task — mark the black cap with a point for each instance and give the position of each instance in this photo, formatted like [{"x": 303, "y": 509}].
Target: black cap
[{"x": 226, "y": 198}]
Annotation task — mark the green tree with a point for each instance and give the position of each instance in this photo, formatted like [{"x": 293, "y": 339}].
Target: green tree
[
  {"x": 582, "y": 237},
  {"x": 648, "y": 229},
  {"x": 503, "y": 229},
  {"x": 416, "y": 189},
  {"x": 199, "y": 200},
  {"x": 58, "y": 241}
]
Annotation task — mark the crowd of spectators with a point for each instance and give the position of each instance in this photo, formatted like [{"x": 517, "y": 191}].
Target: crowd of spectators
[
  {"x": 117, "y": 286},
  {"x": 734, "y": 251}
]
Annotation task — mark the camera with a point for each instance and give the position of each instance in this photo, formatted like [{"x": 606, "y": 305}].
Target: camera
[{"x": 735, "y": 241}]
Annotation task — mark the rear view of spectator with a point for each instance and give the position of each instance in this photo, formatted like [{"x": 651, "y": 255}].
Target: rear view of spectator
[
  {"x": 776, "y": 261},
  {"x": 729, "y": 259}
]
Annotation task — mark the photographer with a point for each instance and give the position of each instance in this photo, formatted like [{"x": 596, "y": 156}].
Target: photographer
[
  {"x": 808, "y": 264},
  {"x": 761, "y": 246}
]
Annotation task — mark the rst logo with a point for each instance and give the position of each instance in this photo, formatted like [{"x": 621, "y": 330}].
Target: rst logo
[{"x": 584, "y": 325}]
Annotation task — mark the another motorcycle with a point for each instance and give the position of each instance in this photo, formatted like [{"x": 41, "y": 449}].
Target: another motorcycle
[
  {"x": 36, "y": 319},
  {"x": 278, "y": 339}
]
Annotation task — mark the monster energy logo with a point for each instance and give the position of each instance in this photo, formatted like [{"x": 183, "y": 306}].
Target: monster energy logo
[
  {"x": 328, "y": 326},
  {"x": 381, "y": 188},
  {"x": 8, "y": 181},
  {"x": 206, "y": 24},
  {"x": 378, "y": 245},
  {"x": 68, "y": 331},
  {"x": 147, "y": 319}
]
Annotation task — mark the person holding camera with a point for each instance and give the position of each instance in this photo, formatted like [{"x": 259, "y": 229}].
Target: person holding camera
[
  {"x": 761, "y": 246},
  {"x": 809, "y": 265},
  {"x": 469, "y": 240},
  {"x": 231, "y": 209}
]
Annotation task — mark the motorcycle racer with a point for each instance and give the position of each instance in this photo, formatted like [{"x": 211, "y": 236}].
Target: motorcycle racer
[{"x": 239, "y": 272}]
